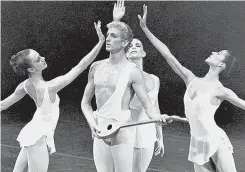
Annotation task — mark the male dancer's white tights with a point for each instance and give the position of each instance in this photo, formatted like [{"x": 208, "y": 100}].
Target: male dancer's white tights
[{"x": 116, "y": 158}]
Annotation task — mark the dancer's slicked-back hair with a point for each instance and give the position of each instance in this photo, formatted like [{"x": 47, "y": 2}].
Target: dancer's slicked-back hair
[
  {"x": 231, "y": 62},
  {"x": 20, "y": 62}
]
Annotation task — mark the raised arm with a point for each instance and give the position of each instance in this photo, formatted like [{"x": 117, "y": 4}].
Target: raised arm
[
  {"x": 228, "y": 95},
  {"x": 183, "y": 72},
  {"x": 87, "y": 98},
  {"x": 118, "y": 10},
  {"x": 18, "y": 94},
  {"x": 62, "y": 81}
]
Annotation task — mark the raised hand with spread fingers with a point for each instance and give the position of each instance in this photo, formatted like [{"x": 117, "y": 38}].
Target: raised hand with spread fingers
[{"x": 118, "y": 10}]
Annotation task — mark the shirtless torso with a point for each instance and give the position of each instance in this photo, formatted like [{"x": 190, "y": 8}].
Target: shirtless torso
[{"x": 105, "y": 81}]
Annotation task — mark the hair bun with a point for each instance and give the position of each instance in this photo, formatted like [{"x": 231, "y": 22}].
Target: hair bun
[{"x": 20, "y": 63}]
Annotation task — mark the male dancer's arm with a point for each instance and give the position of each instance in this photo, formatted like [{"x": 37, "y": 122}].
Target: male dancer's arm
[
  {"x": 18, "y": 94},
  {"x": 62, "y": 81},
  {"x": 87, "y": 98},
  {"x": 183, "y": 72},
  {"x": 137, "y": 80},
  {"x": 228, "y": 95},
  {"x": 160, "y": 146}
]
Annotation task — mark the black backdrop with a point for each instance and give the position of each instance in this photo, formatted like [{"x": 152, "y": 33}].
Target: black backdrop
[{"x": 63, "y": 32}]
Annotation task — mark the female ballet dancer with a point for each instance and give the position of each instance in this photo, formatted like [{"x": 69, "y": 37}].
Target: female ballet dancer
[
  {"x": 148, "y": 134},
  {"x": 36, "y": 138},
  {"x": 210, "y": 148}
]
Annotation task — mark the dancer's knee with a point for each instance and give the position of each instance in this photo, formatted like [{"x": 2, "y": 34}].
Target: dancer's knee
[
  {"x": 137, "y": 160},
  {"x": 142, "y": 158}
]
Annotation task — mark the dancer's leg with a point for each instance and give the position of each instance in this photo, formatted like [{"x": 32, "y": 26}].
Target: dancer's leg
[
  {"x": 123, "y": 157},
  {"x": 38, "y": 157},
  {"x": 207, "y": 167},
  {"x": 102, "y": 156},
  {"x": 142, "y": 158},
  {"x": 122, "y": 149},
  {"x": 21, "y": 163},
  {"x": 224, "y": 160}
]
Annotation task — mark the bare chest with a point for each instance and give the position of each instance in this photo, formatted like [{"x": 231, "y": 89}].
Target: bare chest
[
  {"x": 106, "y": 78},
  {"x": 106, "y": 81}
]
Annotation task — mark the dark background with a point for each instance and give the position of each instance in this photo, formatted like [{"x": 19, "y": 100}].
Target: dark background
[{"x": 63, "y": 32}]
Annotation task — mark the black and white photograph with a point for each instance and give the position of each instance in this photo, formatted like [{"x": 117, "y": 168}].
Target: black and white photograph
[{"x": 122, "y": 86}]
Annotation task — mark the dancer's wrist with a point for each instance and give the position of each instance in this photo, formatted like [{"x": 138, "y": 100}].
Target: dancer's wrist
[
  {"x": 145, "y": 29},
  {"x": 160, "y": 138}
]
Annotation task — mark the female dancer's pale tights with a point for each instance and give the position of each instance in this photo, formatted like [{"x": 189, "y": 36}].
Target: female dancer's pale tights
[
  {"x": 35, "y": 158},
  {"x": 221, "y": 161}
]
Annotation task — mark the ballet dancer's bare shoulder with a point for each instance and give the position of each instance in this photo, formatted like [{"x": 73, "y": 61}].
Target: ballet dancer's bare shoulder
[
  {"x": 227, "y": 94},
  {"x": 31, "y": 63},
  {"x": 183, "y": 72}
]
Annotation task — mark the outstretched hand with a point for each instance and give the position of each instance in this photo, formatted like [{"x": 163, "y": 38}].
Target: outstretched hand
[
  {"x": 99, "y": 32},
  {"x": 143, "y": 19},
  {"x": 118, "y": 10}
]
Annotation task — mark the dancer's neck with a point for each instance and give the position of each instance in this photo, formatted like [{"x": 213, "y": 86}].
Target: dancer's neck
[
  {"x": 212, "y": 75},
  {"x": 36, "y": 77},
  {"x": 118, "y": 58},
  {"x": 139, "y": 63}
]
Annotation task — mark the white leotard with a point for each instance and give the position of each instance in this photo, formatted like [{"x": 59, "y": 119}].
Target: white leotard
[
  {"x": 206, "y": 135},
  {"x": 145, "y": 134},
  {"x": 43, "y": 123}
]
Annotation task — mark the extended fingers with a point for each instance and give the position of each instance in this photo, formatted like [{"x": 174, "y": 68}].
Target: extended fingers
[
  {"x": 144, "y": 11},
  {"x": 119, "y": 4},
  {"x": 97, "y": 25},
  {"x": 139, "y": 17},
  {"x": 157, "y": 151}
]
